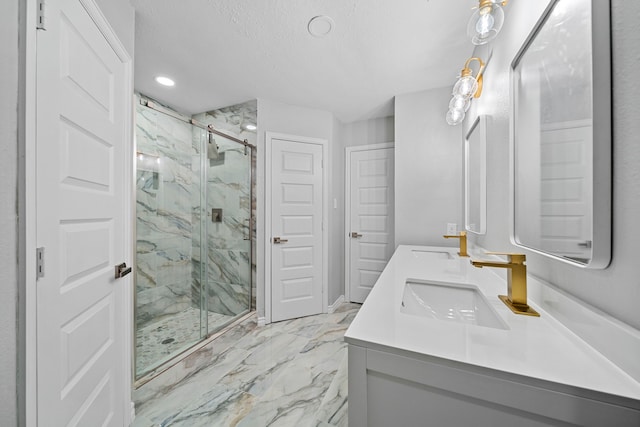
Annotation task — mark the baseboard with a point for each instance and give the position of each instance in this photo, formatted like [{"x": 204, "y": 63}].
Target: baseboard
[
  {"x": 262, "y": 321},
  {"x": 133, "y": 413},
  {"x": 333, "y": 307}
]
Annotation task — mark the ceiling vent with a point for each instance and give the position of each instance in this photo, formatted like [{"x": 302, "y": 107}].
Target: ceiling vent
[{"x": 320, "y": 26}]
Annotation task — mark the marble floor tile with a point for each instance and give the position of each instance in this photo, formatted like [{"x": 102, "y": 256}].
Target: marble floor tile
[
  {"x": 291, "y": 373},
  {"x": 159, "y": 341}
]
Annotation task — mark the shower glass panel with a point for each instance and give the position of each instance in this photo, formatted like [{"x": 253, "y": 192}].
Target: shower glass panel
[
  {"x": 228, "y": 198},
  {"x": 193, "y": 210}
]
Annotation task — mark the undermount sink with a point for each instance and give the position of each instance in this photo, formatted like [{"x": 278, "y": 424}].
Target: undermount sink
[
  {"x": 452, "y": 302},
  {"x": 431, "y": 255}
]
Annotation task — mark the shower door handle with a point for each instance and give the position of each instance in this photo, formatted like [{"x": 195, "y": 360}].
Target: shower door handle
[
  {"x": 278, "y": 240},
  {"x": 248, "y": 228},
  {"x": 122, "y": 270}
]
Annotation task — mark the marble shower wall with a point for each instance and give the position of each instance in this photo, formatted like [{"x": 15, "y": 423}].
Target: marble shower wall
[
  {"x": 229, "y": 188},
  {"x": 168, "y": 200},
  {"x": 166, "y": 172}
]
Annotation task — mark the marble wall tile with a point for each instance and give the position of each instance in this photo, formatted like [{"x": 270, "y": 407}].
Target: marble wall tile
[
  {"x": 233, "y": 119},
  {"x": 155, "y": 303},
  {"x": 227, "y": 298},
  {"x": 146, "y": 130},
  {"x": 172, "y": 135},
  {"x": 146, "y": 268},
  {"x": 229, "y": 187},
  {"x": 228, "y": 281},
  {"x": 228, "y": 266},
  {"x": 163, "y": 215}
]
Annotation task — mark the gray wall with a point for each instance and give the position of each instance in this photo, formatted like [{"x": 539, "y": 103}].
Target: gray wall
[
  {"x": 8, "y": 211},
  {"x": 373, "y": 131},
  {"x": 428, "y": 172},
  {"x": 615, "y": 290}
]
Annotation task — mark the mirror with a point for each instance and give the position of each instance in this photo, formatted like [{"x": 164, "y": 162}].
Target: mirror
[
  {"x": 475, "y": 185},
  {"x": 562, "y": 135}
]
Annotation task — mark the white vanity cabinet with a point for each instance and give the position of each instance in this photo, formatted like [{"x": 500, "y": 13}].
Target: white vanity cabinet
[
  {"x": 410, "y": 370},
  {"x": 388, "y": 389}
]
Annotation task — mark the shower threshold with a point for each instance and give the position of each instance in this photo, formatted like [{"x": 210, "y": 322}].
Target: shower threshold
[{"x": 188, "y": 351}]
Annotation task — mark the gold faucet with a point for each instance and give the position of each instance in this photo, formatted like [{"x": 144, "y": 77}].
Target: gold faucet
[
  {"x": 463, "y": 242},
  {"x": 516, "y": 298}
]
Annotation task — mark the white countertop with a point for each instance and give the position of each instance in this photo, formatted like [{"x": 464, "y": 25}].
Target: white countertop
[{"x": 535, "y": 347}]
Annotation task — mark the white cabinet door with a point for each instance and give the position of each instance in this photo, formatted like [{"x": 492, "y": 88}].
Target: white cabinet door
[
  {"x": 80, "y": 190},
  {"x": 296, "y": 220},
  {"x": 370, "y": 222}
]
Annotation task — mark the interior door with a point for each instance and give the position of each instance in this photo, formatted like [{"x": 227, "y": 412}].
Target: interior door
[
  {"x": 81, "y": 136},
  {"x": 370, "y": 222},
  {"x": 565, "y": 192},
  {"x": 296, "y": 229}
]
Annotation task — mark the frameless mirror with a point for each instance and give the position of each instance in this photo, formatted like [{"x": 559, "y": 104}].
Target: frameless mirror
[
  {"x": 562, "y": 135},
  {"x": 475, "y": 186}
]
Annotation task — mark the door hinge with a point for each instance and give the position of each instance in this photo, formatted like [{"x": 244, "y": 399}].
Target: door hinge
[
  {"x": 39, "y": 262},
  {"x": 41, "y": 15}
]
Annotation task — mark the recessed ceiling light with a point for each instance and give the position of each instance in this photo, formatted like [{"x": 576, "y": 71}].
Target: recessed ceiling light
[
  {"x": 250, "y": 126},
  {"x": 165, "y": 81},
  {"x": 320, "y": 26}
]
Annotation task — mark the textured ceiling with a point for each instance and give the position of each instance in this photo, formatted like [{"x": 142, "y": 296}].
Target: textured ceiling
[{"x": 222, "y": 52}]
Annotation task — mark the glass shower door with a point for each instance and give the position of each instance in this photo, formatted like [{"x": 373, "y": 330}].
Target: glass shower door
[
  {"x": 228, "y": 199},
  {"x": 168, "y": 274},
  {"x": 193, "y": 241}
]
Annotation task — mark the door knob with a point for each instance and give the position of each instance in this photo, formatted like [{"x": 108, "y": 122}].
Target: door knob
[
  {"x": 122, "y": 270},
  {"x": 355, "y": 235},
  {"x": 279, "y": 240}
]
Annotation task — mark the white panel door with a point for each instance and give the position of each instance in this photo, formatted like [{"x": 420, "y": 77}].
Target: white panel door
[
  {"x": 565, "y": 192},
  {"x": 296, "y": 209},
  {"x": 370, "y": 223},
  {"x": 81, "y": 136}
]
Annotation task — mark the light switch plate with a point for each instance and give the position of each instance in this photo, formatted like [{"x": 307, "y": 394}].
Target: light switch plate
[{"x": 452, "y": 228}]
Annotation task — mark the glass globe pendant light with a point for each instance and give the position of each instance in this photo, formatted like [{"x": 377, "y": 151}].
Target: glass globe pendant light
[
  {"x": 459, "y": 103},
  {"x": 486, "y": 21},
  {"x": 465, "y": 88},
  {"x": 468, "y": 85},
  {"x": 455, "y": 116}
]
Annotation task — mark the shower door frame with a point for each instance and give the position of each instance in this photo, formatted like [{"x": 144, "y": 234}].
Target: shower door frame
[{"x": 210, "y": 336}]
